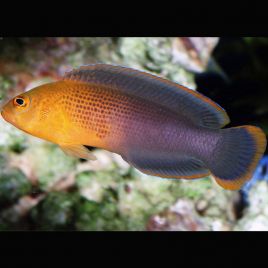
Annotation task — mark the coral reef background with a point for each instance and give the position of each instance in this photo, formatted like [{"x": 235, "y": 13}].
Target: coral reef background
[{"x": 43, "y": 189}]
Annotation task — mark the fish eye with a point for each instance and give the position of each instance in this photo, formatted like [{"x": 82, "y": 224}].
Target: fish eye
[{"x": 19, "y": 101}]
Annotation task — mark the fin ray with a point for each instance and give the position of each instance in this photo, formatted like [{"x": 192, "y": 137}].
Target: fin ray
[
  {"x": 237, "y": 156},
  {"x": 167, "y": 166},
  {"x": 77, "y": 150}
]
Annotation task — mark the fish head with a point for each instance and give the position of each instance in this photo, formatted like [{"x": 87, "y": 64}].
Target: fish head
[
  {"x": 32, "y": 111},
  {"x": 19, "y": 112}
]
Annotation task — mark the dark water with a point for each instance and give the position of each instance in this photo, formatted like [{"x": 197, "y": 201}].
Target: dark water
[{"x": 241, "y": 87}]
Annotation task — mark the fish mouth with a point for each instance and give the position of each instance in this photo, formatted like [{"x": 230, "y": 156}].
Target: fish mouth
[
  {"x": 2, "y": 112},
  {"x": 5, "y": 116}
]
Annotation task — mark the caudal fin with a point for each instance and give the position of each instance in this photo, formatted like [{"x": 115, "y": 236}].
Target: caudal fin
[{"x": 237, "y": 155}]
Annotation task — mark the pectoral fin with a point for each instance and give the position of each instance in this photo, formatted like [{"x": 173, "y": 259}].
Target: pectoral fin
[{"x": 77, "y": 150}]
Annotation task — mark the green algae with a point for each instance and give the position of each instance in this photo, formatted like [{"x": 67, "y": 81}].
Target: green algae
[
  {"x": 13, "y": 185},
  {"x": 55, "y": 212}
]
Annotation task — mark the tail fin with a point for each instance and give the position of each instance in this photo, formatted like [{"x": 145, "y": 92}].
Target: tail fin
[{"x": 237, "y": 155}]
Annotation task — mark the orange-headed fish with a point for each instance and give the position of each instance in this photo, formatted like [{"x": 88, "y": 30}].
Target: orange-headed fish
[{"x": 160, "y": 127}]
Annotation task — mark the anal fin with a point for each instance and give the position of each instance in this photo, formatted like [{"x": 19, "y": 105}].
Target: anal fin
[
  {"x": 167, "y": 165},
  {"x": 77, "y": 150}
]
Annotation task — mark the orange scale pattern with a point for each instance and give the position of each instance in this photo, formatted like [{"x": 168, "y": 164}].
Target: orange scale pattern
[{"x": 91, "y": 109}]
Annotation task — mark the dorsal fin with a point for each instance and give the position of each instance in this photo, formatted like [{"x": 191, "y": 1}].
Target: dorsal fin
[{"x": 193, "y": 105}]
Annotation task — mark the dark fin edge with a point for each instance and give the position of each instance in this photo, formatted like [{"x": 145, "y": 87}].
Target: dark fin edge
[{"x": 190, "y": 177}]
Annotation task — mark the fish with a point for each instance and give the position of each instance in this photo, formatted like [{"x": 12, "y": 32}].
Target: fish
[{"x": 158, "y": 126}]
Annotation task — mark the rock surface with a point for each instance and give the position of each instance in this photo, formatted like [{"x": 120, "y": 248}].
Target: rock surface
[{"x": 43, "y": 189}]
